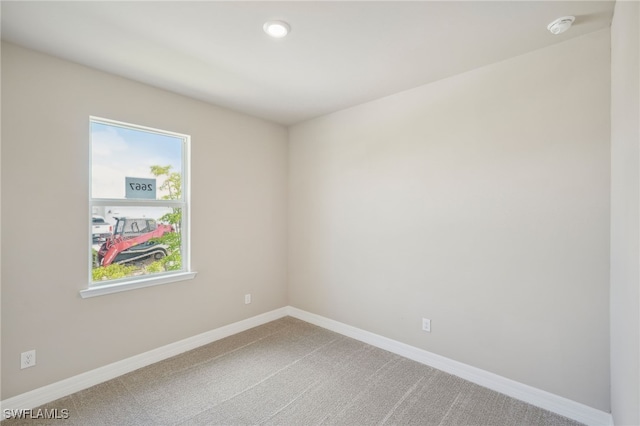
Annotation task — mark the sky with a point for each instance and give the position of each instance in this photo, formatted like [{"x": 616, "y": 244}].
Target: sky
[{"x": 118, "y": 152}]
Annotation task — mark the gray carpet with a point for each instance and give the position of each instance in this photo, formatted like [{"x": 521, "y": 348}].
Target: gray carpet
[{"x": 289, "y": 372}]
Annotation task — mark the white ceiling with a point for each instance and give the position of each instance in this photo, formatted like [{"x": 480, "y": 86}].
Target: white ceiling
[{"x": 338, "y": 54}]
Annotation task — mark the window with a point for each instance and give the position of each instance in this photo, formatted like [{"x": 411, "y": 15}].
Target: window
[{"x": 139, "y": 206}]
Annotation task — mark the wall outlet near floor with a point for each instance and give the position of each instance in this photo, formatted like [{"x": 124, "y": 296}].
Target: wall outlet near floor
[
  {"x": 28, "y": 359},
  {"x": 426, "y": 325},
  {"x": 247, "y": 299}
]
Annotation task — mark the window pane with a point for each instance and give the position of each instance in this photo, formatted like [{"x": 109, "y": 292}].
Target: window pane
[
  {"x": 129, "y": 163},
  {"x": 145, "y": 240},
  {"x": 137, "y": 180}
]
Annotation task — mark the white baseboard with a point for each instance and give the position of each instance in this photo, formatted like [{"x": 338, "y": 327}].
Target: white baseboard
[
  {"x": 82, "y": 381},
  {"x": 531, "y": 395},
  {"x": 546, "y": 400}
]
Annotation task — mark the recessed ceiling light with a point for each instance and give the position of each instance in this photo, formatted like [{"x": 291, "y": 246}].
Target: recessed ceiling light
[
  {"x": 561, "y": 25},
  {"x": 276, "y": 29}
]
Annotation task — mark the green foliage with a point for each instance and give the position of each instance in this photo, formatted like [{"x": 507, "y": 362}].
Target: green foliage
[
  {"x": 174, "y": 218},
  {"x": 172, "y": 240},
  {"x": 173, "y": 184},
  {"x": 173, "y": 261},
  {"x": 160, "y": 170},
  {"x": 112, "y": 272},
  {"x": 155, "y": 267}
]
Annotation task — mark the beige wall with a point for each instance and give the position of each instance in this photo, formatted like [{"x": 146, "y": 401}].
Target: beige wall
[
  {"x": 239, "y": 171},
  {"x": 625, "y": 213},
  {"x": 481, "y": 202}
]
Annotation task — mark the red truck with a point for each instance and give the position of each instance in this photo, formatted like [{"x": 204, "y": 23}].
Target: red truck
[{"x": 132, "y": 240}]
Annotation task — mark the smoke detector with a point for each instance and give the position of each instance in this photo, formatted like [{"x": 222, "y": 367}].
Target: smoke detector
[{"x": 561, "y": 25}]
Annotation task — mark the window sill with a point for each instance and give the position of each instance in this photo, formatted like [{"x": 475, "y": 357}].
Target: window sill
[{"x": 101, "y": 290}]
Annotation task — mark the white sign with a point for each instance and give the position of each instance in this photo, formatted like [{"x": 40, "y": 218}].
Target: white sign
[{"x": 140, "y": 188}]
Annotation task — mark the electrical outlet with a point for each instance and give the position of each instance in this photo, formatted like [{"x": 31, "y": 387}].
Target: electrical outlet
[
  {"x": 28, "y": 359},
  {"x": 247, "y": 299},
  {"x": 426, "y": 325}
]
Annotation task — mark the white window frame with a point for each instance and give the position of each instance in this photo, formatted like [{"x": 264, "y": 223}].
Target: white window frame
[{"x": 131, "y": 283}]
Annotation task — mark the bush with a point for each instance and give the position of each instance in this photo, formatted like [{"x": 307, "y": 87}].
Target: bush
[
  {"x": 112, "y": 272},
  {"x": 172, "y": 262},
  {"x": 155, "y": 267}
]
